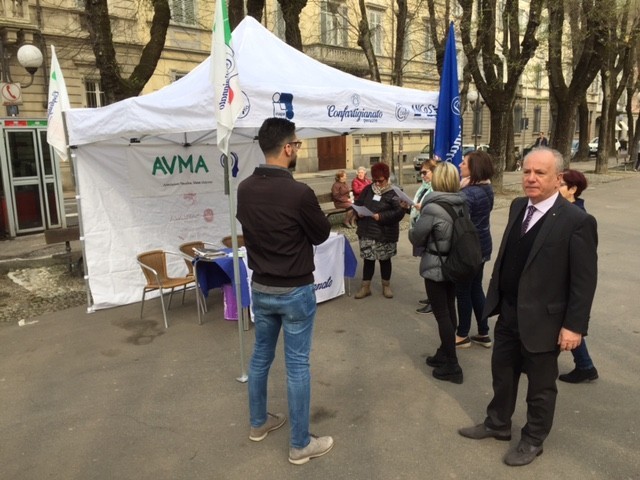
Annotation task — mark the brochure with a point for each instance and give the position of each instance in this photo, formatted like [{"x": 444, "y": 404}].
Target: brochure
[
  {"x": 403, "y": 196},
  {"x": 362, "y": 211}
]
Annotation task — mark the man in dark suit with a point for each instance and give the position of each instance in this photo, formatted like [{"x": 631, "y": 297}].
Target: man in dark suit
[
  {"x": 542, "y": 288},
  {"x": 541, "y": 141}
]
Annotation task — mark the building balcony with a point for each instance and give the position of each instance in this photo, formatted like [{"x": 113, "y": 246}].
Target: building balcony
[
  {"x": 348, "y": 60},
  {"x": 14, "y": 12}
]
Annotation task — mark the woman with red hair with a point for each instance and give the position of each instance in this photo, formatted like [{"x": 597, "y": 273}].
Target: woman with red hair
[{"x": 378, "y": 233}]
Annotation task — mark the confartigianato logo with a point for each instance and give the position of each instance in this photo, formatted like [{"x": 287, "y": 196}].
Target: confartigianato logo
[{"x": 354, "y": 110}]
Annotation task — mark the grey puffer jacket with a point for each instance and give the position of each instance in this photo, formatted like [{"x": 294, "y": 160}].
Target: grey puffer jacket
[{"x": 435, "y": 225}]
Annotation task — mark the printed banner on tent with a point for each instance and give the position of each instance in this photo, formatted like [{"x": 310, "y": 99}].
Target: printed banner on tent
[
  {"x": 329, "y": 273},
  {"x": 170, "y": 170}
]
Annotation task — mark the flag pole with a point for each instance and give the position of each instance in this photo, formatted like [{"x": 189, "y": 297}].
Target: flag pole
[{"x": 229, "y": 104}]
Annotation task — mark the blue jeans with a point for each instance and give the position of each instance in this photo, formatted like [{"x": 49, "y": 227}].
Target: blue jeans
[
  {"x": 581, "y": 357},
  {"x": 471, "y": 298},
  {"x": 295, "y": 313}
]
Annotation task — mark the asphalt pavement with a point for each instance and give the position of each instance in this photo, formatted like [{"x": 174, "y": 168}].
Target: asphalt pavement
[{"x": 109, "y": 395}]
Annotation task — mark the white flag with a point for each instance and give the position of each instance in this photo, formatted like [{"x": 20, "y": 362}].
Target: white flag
[
  {"x": 58, "y": 102},
  {"x": 224, "y": 76}
]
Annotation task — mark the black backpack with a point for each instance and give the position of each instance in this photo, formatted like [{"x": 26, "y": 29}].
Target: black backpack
[{"x": 465, "y": 256}]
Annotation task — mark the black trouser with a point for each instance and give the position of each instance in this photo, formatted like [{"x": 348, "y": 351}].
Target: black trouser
[
  {"x": 443, "y": 302},
  {"x": 509, "y": 360},
  {"x": 369, "y": 268}
]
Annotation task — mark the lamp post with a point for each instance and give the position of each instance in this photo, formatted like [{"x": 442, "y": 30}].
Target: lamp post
[
  {"x": 476, "y": 103},
  {"x": 28, "y": 56}
]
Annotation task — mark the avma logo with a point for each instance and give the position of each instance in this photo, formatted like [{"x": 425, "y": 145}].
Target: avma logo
[{"x": 161, "y": 166}]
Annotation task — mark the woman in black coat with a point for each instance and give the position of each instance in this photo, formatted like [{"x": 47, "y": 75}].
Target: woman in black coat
[
  {"x": 378, "y": 233},
  {"x": 476, "y": 170}
]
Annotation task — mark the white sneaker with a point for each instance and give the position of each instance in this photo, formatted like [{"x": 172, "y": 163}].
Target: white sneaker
[{"x": 317, "y": 447}]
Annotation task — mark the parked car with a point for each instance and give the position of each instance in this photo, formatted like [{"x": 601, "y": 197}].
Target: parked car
[
  {"x": 425, "y": 154},
  {"x": 466, "y": 148},
  {"x": 593, "y": 146},
  {"x": 574, "y": 147}
]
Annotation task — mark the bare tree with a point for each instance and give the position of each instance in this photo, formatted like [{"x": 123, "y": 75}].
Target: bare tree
[
  {"x": 291, "y": 13},
  {"x": 587, "y": 50},
  {"x": 116, "y": 87},
  {"x": 488, "y": 66},
  {"x": 623, "y": 31}
]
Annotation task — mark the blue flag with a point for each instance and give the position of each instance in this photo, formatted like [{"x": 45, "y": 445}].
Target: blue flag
[{"x": 448, "y": 142}]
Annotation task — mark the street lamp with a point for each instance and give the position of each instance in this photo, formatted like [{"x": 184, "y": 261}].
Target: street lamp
[
  {"x": 30, "y": 57},
  {"x": 476, "y": 103}
]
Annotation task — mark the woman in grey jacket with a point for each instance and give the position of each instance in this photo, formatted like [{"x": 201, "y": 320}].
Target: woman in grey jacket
[{"x": 435, "y": 226}]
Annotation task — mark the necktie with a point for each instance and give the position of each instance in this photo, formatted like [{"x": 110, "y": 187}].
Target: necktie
[{"x": 527, "y": 219}]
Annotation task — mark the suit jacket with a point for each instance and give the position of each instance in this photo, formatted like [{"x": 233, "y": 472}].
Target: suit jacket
[{"x": 559, "y": 278}]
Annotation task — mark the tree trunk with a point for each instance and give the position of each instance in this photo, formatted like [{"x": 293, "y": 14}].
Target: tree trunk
[
  {"x": 291, "y": 13},
  {"x": 583, "y": 139},
  {"x": 255, "y": 9},
  {"x": 236, "y": 13}
]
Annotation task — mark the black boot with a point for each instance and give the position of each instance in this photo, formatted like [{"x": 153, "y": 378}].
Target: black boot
[
  {"x": 438, "y": 360},
  {"x": 450, "y": 372}
]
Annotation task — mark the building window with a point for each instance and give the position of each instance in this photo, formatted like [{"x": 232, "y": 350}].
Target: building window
[
  {"x": 429, "y": 50},
  {"x": 94, "y": 94},
  {"x": 517, "y": 119},
  {"x": 333, "y": 24},
  {"x": 183, "y": 12},
  {"x": 375, "y": 25},
  {"x": 537, "y": 118},
  {"x": 280, "y": 27},
  {"x": 175, "y": 76}
]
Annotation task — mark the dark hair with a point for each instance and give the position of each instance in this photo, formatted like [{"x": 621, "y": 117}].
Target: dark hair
[
  {"x": 274, "y": 134},
  {"x": 480, "y": 166},
  {"x": 380, "y": 170},
  {"x": 574, "y": 178}
]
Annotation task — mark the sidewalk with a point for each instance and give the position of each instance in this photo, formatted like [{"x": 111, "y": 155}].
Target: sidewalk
[{"x": 108, "y": 395}]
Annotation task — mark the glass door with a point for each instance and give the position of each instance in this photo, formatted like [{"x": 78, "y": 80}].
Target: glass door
[{"x": 32, "y": 176}]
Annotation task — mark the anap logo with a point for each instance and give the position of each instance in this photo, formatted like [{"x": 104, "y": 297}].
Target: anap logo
[
  {"x": 283, "y": 105},
  {"x": 234, "y": 163}
]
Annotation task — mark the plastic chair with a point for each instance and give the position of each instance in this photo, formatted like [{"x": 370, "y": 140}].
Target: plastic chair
[{"x": 154, "y": 267}]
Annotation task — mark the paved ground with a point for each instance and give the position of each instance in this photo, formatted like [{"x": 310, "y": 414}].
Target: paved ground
[{"x": 108, "y": 395}]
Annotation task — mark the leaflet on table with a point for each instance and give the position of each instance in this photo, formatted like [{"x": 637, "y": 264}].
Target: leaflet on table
[
  {"x": 362, "y": 211},
  {"x": 403, "y": 196},
  {"x": 209, "y": 252}
]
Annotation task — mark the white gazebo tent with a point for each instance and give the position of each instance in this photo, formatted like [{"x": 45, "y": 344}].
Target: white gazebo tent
[{"x": 149, "y": 172}]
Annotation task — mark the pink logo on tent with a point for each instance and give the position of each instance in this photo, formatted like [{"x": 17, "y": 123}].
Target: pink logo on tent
[{"x": 208, "y": 215}]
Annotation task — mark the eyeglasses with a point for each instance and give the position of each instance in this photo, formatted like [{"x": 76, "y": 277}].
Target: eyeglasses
[
  {"x": 423, "y": 172},
  {"x": 296, "y": 144},
  {"x": 379, "y": 180}
]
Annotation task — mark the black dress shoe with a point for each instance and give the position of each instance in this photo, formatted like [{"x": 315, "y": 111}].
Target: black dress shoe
[
  {"x": 481, "y": 431},
  {"x": 579, "y": 376},
  {"x": 426, "y": 309},
  {"x": 523, "y": 454},
  {"x": 437, "y": 360},
  {"x": 449, "y": 372},
  {"x": 424, "y": 301}
]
